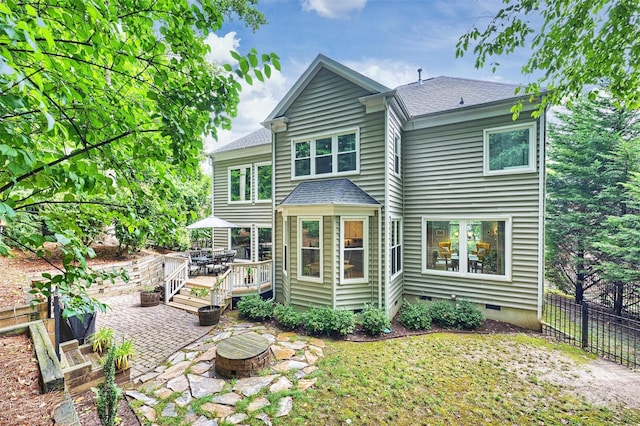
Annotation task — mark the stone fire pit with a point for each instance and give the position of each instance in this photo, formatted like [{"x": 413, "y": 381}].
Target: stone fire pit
[{"x": 242, "y": 355}]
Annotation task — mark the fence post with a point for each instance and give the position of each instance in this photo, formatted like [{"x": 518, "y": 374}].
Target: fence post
[{"x": 585, "y": 324}]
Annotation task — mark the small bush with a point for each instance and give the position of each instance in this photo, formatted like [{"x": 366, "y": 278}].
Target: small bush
[
  {"x": 328, "y": 321},
  {"x": 287, "y": 316},
  {"x": 415, "y": 316},
  {"x": 470, "y": 315},
  {"x": 374, "y": 320},
  {"x": 255, "y": 308},
  {"x": 444, "y": 314}
]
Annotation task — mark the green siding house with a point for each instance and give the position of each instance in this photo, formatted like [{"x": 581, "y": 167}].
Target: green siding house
[{"x": 427, "y": 191}]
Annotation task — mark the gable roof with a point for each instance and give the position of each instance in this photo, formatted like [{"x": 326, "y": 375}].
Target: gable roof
[
  {"x": 328, "y": 192},
  {"x": 448, "y": 93},
  {"x": 260, "y": 137},
  {"x": 319, "y": 63}
]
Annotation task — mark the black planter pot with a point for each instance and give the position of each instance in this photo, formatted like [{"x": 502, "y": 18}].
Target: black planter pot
[
  {"x": 75, "y": 328},
  {"x": 209, "y": 315},
  {"x": 150, "y": 298}
]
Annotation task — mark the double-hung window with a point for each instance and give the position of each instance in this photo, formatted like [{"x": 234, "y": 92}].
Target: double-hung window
[
  {"x": 310, "y": 249},
  {"x": 242, "y": 180},
  {"x": 240, "y": 184},
  {"x": 326, "y": 155},
  {"x": 396, "y": 155},
  {"x": 473, "y": 246},
  {"x": 263, "y": 182},
  {"x": 510, "y": 149},
  {"x": 396, "y": 246},
  {"x": 354, "y": 239}
]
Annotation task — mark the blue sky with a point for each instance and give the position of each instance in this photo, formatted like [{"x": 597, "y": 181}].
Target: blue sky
[{"x": 387, "y": 40}]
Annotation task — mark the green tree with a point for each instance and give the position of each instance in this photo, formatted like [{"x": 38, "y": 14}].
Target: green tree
[
  {"x": 576, "y": 44},
  {"x": 593, "y": 152},
  {"x": 98, "y": 97}
]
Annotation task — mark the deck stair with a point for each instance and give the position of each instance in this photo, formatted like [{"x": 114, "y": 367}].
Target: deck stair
[
  {"x": 82, "y": 368},
  {"x": 188, "y": 301}
]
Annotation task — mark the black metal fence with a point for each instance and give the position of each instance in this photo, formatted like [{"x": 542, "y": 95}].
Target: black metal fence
[{"x": 594, "y": 329}]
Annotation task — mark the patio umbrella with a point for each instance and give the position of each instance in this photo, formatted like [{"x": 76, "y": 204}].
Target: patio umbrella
[{"x": 212, "y": 222}]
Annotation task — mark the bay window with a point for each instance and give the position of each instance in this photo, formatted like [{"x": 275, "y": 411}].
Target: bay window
[
  {"x": 310, "y": 251},
  {"x": 354, "y": 249}
]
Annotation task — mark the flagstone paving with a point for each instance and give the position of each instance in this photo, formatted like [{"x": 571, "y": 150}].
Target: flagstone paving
[{"x": 187, "y": 388}]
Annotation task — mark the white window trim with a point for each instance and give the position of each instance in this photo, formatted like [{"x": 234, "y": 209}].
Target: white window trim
[
  {"x": 532, "y": 149},
  {"x": 334, "y": 154},
  {"x": 255, "y": 180},
  {"x": 397, "y": 154},
  {"x": 365, "y": 250},
  {"x": 400, "y": 240},
  {"x": 302, "y": 277},
  {"x": 285, "y": 245},
  {"x": 462, "y": 272},
  {"x": 242, "y": 187}
]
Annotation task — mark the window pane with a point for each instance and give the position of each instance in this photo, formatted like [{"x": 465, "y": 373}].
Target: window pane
[
  {"x": 264, "y": 182},
  {"x": 311, "y": 263},
  {"x": 241, "y": 242},
  {"x": 303, "y": 167},
  {"x": 323, "y": 165},
  {"x": 247, "y": 185},
  {"x": 443, "y": 245},
  {"x": 354, "y": 263},
  {"x": 310, "y": 233},
  {"x": 323, "y": 146},
  {"x": 303, "y": 150},
  {"x": 353, "y": 249},
  {"x": 347, "y": 142},
  {"x": 264, "y": 243},
  {"x": 346, "y": 162},
  {"x": 234, "y": 189},
  {"x": 486, "y": 247},
  {"x": 310, "y": 230},
  {"x": 509, "y": 149}
]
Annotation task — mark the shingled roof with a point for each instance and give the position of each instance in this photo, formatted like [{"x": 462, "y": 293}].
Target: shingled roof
[
  {"x": 448, "y": 93},
  {"x": 261, "y": 136},
  {"x": 325, "y": 192}
]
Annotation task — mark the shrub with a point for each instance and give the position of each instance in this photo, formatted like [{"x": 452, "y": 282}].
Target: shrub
[
  {"x": 470, "y": 315},
  {"x": 415, "y": 316},
  {"x": 287, "y": 316},
  {"x": 444, "y": 314},
  {"x": 328, "y": 321},
  {"x": 374, "y": 320},
  {"x": 107, "y": 393},
  {"x": 255, "y": 308}
]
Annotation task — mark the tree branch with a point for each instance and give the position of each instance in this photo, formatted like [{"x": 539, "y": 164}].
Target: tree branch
[{"x": 97, "y": 203}]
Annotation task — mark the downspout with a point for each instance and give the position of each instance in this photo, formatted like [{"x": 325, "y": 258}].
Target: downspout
[
  {"x": 213, "y": 173},
  {"x": 274, "y": 251},
  {"x": 541, "y": 202},
  {"x": 380, "y": 258}
]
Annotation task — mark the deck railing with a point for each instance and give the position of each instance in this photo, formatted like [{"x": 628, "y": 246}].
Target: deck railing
[
  {"x": 176, "y": 271},
  {"x": 250, "y": 274}
]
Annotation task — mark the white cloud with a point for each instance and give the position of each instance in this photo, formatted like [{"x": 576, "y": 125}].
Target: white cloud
[
  {"x": 333, "y": 9},
  {"x": 389, "y": 72},
  {"x": 256, "y": 101}
]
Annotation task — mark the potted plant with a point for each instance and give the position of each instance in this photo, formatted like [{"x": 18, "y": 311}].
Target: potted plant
[
  {"x": 150, "y": 296},
  {"x": 102, "y": 339},
  {"x": 210, "y": 315},
  {"x": 123, "y": 352}
]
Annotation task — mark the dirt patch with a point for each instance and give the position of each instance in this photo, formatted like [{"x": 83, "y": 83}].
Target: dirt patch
[{"x": 88, "y": 414}]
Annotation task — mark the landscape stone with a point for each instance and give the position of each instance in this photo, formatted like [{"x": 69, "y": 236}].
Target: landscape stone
[
  {"x": 316, "y": 350},
  {"x": 310, "y": 357},
  {"x": 221, "y": 336},
  {"x": 217, "y": 410},
  {"x": 200, "y": 368},
  {"x": 179, "y": 384},
  {"x": 203, "y": 421},
  {"x": 203, "y": 386},
  {"x": 177, "y": 357},
  {"x": 229, "y": 398},
  {"x": 209, "y": 355},
  {"x": 236, "y": 418},
  {"x": 296, "y": 346},
  {"x": 270, "y": 338},
  {"x": 281, "y": 353},
  {"x": 317, "y": 342},
  {"x": 185, "y": 399},
  {"x": 257, "y": 404},
  {"x": 174, "y": 370},
  {"x": 145, "y": 377},
  {"x": 281, "y": 384},
  {"x": 289, "y": 365},
  {"x": 285, "y": 337},
  {"x": 305, "y": 372},
  {"x": 284, "y": 406},
  {"x": 305, "y": 384},
  {"x": 163, "y": 393},
  {"x": 265, "y": 419},
  {"x": 191, "y": 355},
  {"x": 142, "y": 397},
  {"x": 252, "y": 385},
  {"x": 170, "y": 410},
  {"x": 148, "y": 412}
]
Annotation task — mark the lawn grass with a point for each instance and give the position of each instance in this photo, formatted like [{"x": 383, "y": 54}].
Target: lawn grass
[{"x": 448, "y": 378}]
